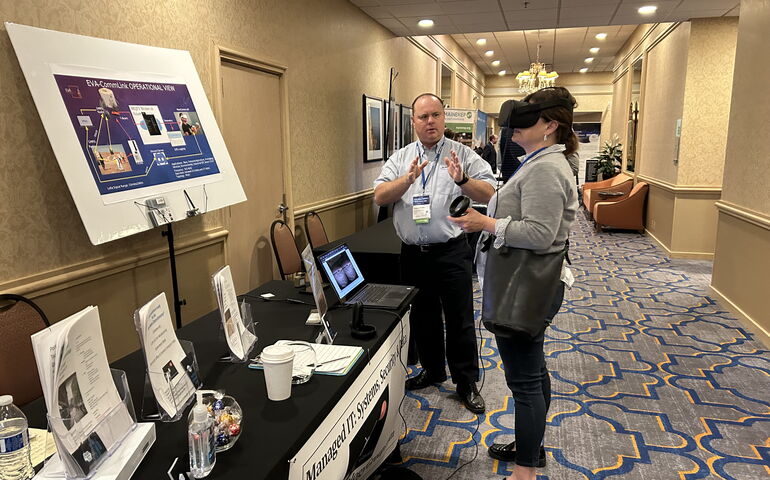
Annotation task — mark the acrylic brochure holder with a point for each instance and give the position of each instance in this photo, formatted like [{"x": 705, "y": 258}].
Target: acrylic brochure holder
[
  {"x": 129, "y": 441},
  {"x": 248, "y": 325},
  {"x": 151, "y": 408}
]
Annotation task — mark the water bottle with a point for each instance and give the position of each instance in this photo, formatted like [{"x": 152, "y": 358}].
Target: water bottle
[
  {"x": 15, "y": 462},
  {"x": 202, "y": 442}
]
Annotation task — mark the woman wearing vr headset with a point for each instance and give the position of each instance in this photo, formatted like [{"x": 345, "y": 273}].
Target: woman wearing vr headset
[{"x": 534, "y": 210}]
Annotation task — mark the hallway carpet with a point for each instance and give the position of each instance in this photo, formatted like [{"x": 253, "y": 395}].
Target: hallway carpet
[{"x": 652, "y": 379}]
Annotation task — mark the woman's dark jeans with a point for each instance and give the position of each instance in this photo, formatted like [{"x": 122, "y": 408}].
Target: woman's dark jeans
[{"x": 527, "y": 376}]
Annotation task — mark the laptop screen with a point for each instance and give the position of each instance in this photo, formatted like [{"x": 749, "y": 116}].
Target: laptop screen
[{"x": 341, "y": 270}]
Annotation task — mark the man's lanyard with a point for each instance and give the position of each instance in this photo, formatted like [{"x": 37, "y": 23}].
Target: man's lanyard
[
  {"x": 438, "y": 155},
  {"x": 529, "y": 157}
]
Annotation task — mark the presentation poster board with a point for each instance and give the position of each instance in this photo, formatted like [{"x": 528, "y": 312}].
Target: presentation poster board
[{"x": 131, "y": 127}]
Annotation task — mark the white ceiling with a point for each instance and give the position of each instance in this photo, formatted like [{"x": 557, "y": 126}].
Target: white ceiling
[{"x": 567, "y": 27}]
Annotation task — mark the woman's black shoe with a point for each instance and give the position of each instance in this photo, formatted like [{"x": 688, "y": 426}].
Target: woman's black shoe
[{"x": 507, "y": 453}]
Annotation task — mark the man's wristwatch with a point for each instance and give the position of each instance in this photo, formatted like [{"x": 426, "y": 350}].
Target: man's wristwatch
[{"x": 463, "y": 181}]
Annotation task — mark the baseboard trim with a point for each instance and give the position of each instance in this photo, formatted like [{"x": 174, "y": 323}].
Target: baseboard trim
[
  {"x": 679, "y": 254},
  {"x": 45, "y": 283},
  {"x": 332, "y": 203},
  {"x": 762, "y": 334}
]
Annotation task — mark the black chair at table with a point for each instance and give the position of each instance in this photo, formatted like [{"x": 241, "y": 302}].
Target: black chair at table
[
  {"x": 315, "y": 231},
  {"x": 285, "y": 249},
  {"x": 19, "y": 319}
]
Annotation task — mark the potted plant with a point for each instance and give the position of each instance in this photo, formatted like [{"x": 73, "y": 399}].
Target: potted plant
[{"x": 609, "y": 158}]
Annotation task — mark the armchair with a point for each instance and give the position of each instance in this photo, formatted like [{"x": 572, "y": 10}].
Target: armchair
[
  {"x": 591, "y": 190},
  {"x": 627, "y": 214}
]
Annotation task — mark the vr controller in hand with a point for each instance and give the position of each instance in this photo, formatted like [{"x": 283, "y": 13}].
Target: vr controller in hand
[{"x": 459, "y": 206}]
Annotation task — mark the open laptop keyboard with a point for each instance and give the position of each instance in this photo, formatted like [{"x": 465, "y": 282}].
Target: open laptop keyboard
[{"x": 371, "y": 294}]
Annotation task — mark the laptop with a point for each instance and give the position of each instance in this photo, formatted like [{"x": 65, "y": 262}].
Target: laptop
[{"x": 344, "y": 275}]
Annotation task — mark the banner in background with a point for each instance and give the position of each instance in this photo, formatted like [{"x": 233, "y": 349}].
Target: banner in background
[
  {"x": 365, "y": 426},
  {"x": 480, "y": 132},
  {"x": 459, "y": 120}
]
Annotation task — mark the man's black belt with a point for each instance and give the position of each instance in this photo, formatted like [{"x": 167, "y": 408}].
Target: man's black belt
[{"x": 435, "y": 247}]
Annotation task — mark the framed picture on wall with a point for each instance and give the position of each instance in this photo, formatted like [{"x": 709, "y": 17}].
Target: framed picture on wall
[
  {"x": 391, "y": 127},
  {"x": 405, "y": 125},
  {"x": 373, "y": 131}
]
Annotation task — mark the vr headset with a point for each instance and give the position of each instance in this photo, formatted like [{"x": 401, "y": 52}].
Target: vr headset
[{"x": 517, "y": 114}]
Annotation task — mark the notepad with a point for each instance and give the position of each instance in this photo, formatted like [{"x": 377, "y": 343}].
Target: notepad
[{"x": 335, "y": 360}]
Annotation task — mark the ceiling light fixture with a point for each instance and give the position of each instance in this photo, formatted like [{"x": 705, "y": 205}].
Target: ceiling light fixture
[
  {"x": 594, "y": 50},
  {"x": 489, "y": 53},
  {"x": 502, "y": 72},
  {"x": 647, "y": 9},
  {"x": 583, "y": 70},
  {"x": 589, "y": 59},
  {"x": 496, "y": 63},
  {"x": 537, "y": 76},
  {"x": 481, "y": 42},
  {"x": 601, "y": 36},
  {"x": 425, "y": 23}
]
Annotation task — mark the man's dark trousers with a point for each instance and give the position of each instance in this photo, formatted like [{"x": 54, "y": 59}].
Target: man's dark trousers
[{"x": 442, "y": 273}]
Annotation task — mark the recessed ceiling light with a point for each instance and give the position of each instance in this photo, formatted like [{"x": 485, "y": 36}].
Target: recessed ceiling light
[
  {"x": 583, "y": 70},
  {"x": 425, "y": 23},
  {"x": 601, "y": 36},
  {"x": 501, "y": 72},
  {"x": 647, "y": 9},
  {"x": 489, "y": 53},
  {"x": 496, "y": 63},
  {"x": 481, "y": 42},
  {"x": 589, "y": 59},
  {"x": 594, "y": 49}
]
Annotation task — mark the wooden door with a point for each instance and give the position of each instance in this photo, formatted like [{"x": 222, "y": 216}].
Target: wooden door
[{"x": 251, "y": 125}]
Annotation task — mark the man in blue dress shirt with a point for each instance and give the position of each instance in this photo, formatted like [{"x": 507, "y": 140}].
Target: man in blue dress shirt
[{"x": 421, "y": 180}]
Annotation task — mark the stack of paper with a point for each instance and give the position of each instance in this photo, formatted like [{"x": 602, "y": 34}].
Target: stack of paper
[
  {"x": 169, "y": 367},
  {"x": 87, "y": 415},
  {"x": 239, "y": 339},
  {"x": 321, "y": 359}
]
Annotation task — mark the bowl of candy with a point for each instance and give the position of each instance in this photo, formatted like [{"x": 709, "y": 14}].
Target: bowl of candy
[{"x": 227, "y": 415}]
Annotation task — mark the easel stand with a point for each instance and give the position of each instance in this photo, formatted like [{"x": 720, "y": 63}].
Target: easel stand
[{"x": 169, "y": 234}]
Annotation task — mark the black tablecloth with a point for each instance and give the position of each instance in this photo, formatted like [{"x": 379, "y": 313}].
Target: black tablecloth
[{"x": 273, "y": 432}]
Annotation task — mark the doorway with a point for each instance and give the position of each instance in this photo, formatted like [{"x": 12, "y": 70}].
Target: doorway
[{"x": 253, "y": 120}]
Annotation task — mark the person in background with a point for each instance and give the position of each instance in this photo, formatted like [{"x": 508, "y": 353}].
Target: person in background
[
  {"x": 510, "y": 152},
  {"x": 421, "y": 180},
  {"x": 534, "y": 210},
  {"x": 489, "y": 154}
]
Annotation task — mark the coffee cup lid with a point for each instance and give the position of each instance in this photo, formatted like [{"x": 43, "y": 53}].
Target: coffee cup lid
[{"x": 276, "y": 354}]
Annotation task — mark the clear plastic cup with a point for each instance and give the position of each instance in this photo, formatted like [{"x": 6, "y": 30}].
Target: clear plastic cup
[{"x": 277, "y": 361}]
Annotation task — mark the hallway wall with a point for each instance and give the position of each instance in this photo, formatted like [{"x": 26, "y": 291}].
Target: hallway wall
[{"x": 741, "y": 277}]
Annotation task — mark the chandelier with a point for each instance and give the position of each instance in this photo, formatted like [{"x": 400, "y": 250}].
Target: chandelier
[{"x": 537, "y": 76}]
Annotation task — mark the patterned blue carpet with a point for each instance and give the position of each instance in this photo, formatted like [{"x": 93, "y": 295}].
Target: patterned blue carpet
[{"x": 651, "y": 379}]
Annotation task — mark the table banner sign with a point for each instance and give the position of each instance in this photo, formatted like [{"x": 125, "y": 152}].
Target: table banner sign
[{"x": 364, "y": 427}]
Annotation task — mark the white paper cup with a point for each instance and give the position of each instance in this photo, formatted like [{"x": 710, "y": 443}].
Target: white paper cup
[{"x": 277, "y": 360}]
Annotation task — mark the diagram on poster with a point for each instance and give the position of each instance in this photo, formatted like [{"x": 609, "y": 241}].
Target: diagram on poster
[
  {"x": 136, "y": 134},
  {"x": 132, "y": 130}
]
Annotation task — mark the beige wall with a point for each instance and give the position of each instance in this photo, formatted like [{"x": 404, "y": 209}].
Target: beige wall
[
  {"x": 593, "y": 91},
  {"x": 706, "y": 108},
  {"x": 616, "y": 124},
  {"x": 663, "y": 103},
  {"x": 741, "y": 276},
  {"x": 334, "y": 54},
  {"x": 686, "y": 66}
]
